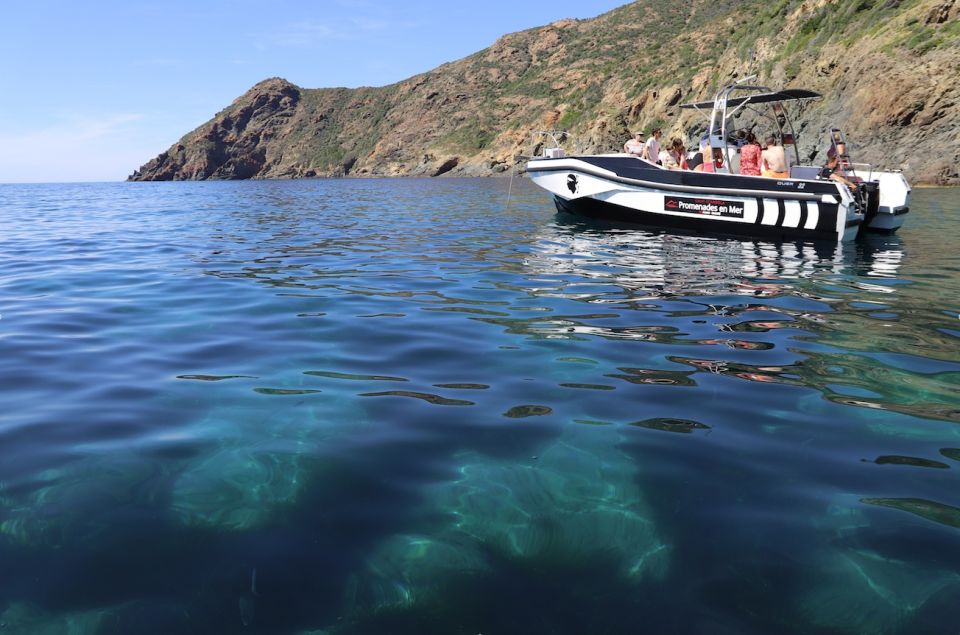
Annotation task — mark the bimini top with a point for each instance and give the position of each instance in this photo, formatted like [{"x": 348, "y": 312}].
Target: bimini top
[{"x": 789, "y": 94}]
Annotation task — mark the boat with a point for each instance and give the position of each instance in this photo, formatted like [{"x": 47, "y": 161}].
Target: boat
[{"x": 626, "y": 188}]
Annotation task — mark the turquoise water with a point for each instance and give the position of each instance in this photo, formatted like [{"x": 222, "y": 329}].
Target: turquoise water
[{"x": 407, "y": 406}]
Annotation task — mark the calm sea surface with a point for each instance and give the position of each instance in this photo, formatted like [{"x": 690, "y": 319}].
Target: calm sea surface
[{"x": 404, "y": 406}]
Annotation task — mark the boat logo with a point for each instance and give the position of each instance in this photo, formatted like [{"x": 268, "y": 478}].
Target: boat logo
[
  {"x": 572, "y": 184},
  {"x": 704, "y": 206}
]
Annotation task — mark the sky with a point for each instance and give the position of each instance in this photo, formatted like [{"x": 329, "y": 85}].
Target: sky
[{"x": 92, "y": 90}]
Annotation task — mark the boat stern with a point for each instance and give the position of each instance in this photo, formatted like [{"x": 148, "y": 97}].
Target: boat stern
[{"x": 894, "y": 202}]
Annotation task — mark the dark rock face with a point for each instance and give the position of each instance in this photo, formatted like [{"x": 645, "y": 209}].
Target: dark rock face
[
  {"x": 233, "y": 145},
  {"x": 887, "y": 72}
]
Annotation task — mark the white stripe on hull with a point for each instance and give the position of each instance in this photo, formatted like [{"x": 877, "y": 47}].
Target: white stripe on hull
[
  {"x": 770, "y": 212},
  {"x": 813, "y": 215},
  {"x": 791, "y": 216}
]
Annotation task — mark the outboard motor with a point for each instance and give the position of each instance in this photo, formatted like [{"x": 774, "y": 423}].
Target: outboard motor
[{"x": 870, "y": 200}]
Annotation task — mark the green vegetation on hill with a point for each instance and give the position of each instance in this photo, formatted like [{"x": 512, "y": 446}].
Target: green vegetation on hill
[{"x": 886, "y": 68}]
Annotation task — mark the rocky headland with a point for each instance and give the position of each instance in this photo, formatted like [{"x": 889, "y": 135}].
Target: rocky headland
[{"x": 888, "y": 70}]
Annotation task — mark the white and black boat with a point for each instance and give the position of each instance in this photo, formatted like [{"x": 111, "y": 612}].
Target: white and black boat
[{"x": 626, "y": 188}]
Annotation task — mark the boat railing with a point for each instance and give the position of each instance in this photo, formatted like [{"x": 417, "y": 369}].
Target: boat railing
[
  {"x": 556, "y": 151},
  {"x": 857, "y": 169}
]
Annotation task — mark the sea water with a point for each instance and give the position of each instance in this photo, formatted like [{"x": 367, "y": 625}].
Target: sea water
[{"x": 435, "y": 406}]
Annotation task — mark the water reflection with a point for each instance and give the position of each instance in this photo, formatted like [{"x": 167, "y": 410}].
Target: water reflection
[
  {"x": 878, "y": 256},
  {"x": 663, "y": 263}
]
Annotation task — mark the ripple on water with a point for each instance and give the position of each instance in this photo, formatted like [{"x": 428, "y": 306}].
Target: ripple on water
[
  {"x": 436, "y": 400},
  {"x": 336, "y": 375},
  {"x": 667, "y": 424},
  {"x": 910, "y": 461},
  {"x": 527, "y": 410},
  {"x": 154, "y": 340}
]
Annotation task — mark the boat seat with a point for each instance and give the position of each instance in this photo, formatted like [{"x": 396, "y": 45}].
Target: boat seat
[{"x": 810, "y": 172}]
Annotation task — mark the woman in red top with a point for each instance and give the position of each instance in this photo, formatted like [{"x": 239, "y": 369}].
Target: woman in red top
[{"x": 750, "y": 156}]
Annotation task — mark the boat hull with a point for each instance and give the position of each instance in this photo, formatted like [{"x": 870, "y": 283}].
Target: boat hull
[
  {"x": 894, "y": 202},
  {"x": 628, "y": 190}
]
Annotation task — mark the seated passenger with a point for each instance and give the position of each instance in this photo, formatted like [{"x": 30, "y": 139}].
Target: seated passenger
[
  {"x": 696, "y": 161},
  {"x": 750, "y": 156},
  {"x": 741, "y": 139},
  {"x": 667, "y": 160},
  {"x": 679, "y": 152},
  {"x": 774, "y": 161},
  {"x": 672, "y": 157},
  {"x": 711, "y": 166},
  {"x": 833, "y": 171},
  {"x": 634, "y": 146}
]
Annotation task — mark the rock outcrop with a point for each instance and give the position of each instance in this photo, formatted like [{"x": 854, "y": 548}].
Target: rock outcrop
[{"x": 887, "y": 69}]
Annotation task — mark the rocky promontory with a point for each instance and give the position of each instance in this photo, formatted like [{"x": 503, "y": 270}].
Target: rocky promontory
[{"x": 888, "y": 71}]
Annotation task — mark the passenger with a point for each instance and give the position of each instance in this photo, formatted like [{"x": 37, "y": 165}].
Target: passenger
[
  {"x": 774, "y": 161},
  {"x": 739, "y": 141},
  {"x": 672, "y": 157},
  {"x": 750, "y": 156},
  {"x": 741, "y": 138},
  {"x": 651, "y": 150},
  {"x": 716, "y": 165},
  {"x": 679, "y": 152},
  {"x": 667, "y": 160},
  {"x": 696, "y": 162},
  {"x": 833, "y": 171},
  {"x": 634, "y": 146}
]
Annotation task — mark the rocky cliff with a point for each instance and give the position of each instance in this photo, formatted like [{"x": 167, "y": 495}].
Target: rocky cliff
[{"x": 888, "y": 70}]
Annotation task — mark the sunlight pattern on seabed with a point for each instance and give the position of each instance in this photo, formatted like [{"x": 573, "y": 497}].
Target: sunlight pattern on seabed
[{"x": 578, "y": 499}]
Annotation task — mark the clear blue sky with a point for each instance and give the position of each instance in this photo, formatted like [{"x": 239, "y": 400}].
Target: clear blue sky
[{"x": 92, "y": 90}]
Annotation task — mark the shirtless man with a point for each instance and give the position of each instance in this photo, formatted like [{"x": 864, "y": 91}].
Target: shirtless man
[
  {"x": 774, "y": 161},
  {"x": 634, "y": 146}
]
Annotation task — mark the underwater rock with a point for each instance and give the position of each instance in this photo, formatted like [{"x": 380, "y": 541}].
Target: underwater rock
[
  {"x": 73, "y": 503},
  {"x": 236, "y": 488},
  {"x": 863, "y": 583},
  {"x": 577, "y": 505},
  {"x": 260, "y": 463},
  {"x": 407, "y": 570},
  {"x": 23, "y": 619},
  {"x": 860, "y": 591},
  {"x": 579, "y": 499}
]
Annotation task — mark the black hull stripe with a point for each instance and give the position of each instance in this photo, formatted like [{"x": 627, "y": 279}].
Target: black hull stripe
[
  {"x": 781, "y": 210},
  {"x": 594, "y": 208},
  {"x": 803, "y": 215}
]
